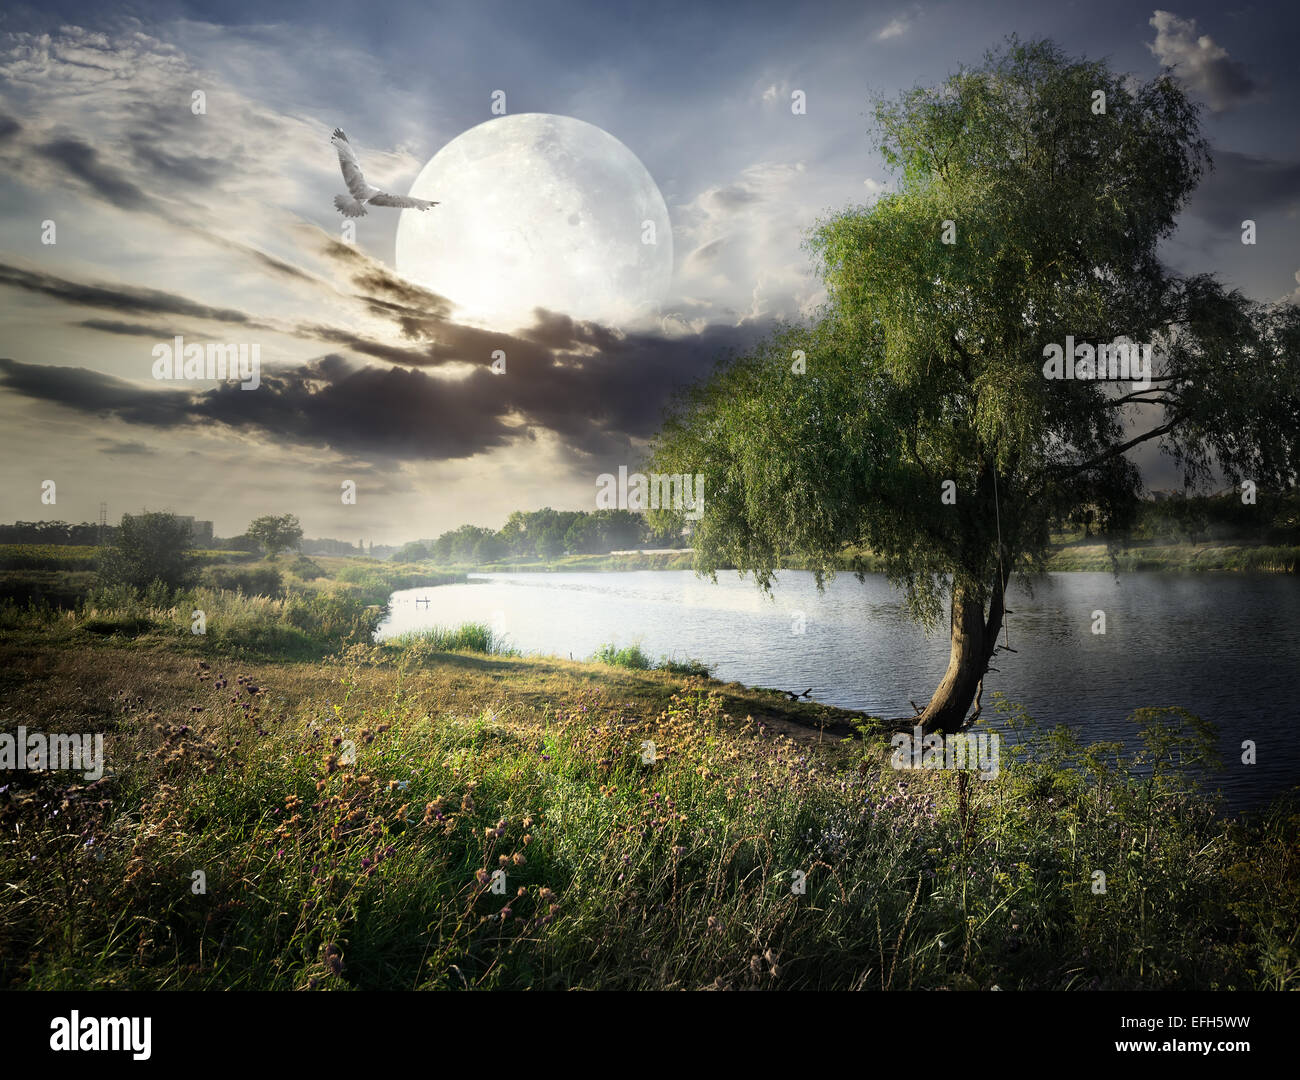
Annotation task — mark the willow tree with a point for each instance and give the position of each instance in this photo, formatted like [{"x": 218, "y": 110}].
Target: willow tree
[{"x": 915, "y": 419}]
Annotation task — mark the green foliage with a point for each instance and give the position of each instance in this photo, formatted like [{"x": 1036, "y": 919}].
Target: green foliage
[
  {"x": 693, "y": 668},
  {"x": 549, "y": 534},
  {"x": 1274, "y": 518},
  {"x": 125, "y": 625},
  {"x": 635, "y": 659},
  {"x": 48, "y": 557},
  {"x": 412, "y": 552},
  {"x": 306, "y": 569},
  {"x": 420, "y": 645},
  {"x": 276, "y": 534},
  {"x": 252, "y": 581},
  {"x": 376, "y": 581},
  {"x": 926, "y": 364},
  {"x": 630, "y": 656},
  {"x": 375, "y": 874},
  {"x": 150, "y": 547},
  {"x": 339, "y": 618}
]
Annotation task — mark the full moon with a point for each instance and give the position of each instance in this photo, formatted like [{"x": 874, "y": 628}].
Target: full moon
[{"x": 537, "y": 210}]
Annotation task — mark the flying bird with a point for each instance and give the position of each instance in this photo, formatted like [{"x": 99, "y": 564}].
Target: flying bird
[{"x": 364, "y": 194}]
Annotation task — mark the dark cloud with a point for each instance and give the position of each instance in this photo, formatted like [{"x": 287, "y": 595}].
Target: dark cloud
[
  {"x": 1245, "y": 186},
  {"x": 125, "y": 299},
  {"x": 157, "y": 333},
  {"x": 110, "y": 446},
  {"x": 189, "y": 168},
  {"x": 596, "y": 404},
  {"x": 9, "y": 126},
  {"x": 81, "y": 160},
  {"x": 595, "y": 389},
  {"x": 95, "y": 393},
  {"x": 267, "y": 262},
  {"x": 394, "y": 354}
]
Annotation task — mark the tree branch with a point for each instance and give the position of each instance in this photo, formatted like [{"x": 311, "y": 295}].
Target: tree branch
[{"x": 1115, "y": 451}]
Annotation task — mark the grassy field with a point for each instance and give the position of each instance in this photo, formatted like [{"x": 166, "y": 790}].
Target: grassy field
[
  {"x": 340, "y": 823},
  {"x": 64, "y": 575},
  {"x": 288, "y": 805}
]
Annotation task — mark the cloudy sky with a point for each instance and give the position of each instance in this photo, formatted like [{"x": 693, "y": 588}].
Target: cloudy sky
[{"x": 220, "y": 227}]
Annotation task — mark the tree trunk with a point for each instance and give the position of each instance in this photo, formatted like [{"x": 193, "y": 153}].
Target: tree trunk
[{"x": 974, "y": 639}]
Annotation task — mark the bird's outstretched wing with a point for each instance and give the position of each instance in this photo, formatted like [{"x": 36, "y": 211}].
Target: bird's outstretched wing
[
  {"x": 349, "y": 207},
  {"x": 385, "y": 199},
  {"x": 352, "y": 176}
]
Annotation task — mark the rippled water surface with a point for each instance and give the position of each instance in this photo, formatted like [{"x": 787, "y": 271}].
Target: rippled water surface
[{"x": 1225, "y": 646}]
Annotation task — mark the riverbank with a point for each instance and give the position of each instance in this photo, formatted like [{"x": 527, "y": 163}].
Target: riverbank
[
  {"x": 341, "y": 824},
  {"x": 63, "y": 577},
  {"x": 1073, "y": 557}
]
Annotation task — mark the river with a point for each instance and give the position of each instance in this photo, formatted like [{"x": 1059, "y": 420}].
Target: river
[{"x": 1225, "y": 646}]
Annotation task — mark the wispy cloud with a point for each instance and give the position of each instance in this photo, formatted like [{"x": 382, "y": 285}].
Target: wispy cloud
[{"x": 896, "y": 27}]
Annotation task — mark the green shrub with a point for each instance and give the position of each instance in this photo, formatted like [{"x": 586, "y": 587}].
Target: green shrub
[
  {"x": 634, "y": 658},
  {"x": 468, "y": 637},
  {"x": 306, "y": 568},
  {"x": 630, "y": 656},
  {"x": 126, "y": 625},
  {"x": 685, "y": 667},
  {"x": 251, "y": 581}
]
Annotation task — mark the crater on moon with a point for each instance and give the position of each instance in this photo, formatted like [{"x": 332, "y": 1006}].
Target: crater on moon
[{"x": 538, "y": 210}]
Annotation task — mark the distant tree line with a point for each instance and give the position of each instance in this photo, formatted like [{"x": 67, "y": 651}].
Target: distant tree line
[
  {"x": 1171, "y": 517},
  {"x": 55, "y": 532},
  {"x": 545, "y": 534}
]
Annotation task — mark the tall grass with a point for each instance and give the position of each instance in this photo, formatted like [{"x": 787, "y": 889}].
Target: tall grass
[
  {"x": 376, "y": 581},
  {"x": 635, "y": 659},
  {"x": 381, "y": 846},
  {"x": 468, "y": 637},
  {"x": 630, "y": 656},
  {"x": 300, "y": 626}
]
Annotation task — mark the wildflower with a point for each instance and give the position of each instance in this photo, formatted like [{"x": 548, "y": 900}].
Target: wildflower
[{"x": 518, "y": 858}]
